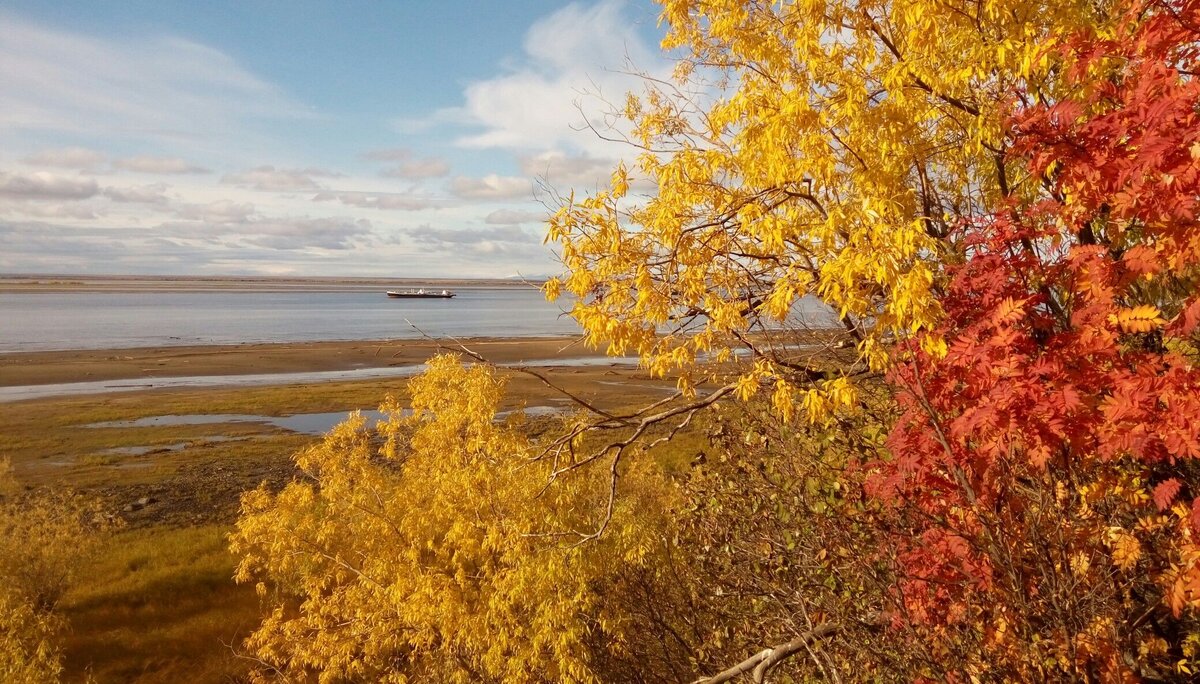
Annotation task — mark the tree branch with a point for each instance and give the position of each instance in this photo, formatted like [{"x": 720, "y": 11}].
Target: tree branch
[{"x": 761, "y": 663}]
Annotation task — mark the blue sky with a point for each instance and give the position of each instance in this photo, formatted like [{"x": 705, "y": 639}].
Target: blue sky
[{"x": 364, "y": 138}]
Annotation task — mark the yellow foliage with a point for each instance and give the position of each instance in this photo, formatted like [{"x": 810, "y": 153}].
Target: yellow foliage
[
  {"x": 43, "y": 541},
  {"x": 1139, "y": 319},
  {"x": 1126, "y": 550},
  {"x": 807, "y": 149},
  {"x": 28, "y": 652},
  {"x": 436, "y": 555}
]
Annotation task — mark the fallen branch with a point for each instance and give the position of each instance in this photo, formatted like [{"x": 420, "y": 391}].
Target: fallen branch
[{"x": 759, "y": 664}]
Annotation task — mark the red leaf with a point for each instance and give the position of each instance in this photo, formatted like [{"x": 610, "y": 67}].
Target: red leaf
[
  {"x": 1190, "y": 317},
  {"x": 1142, "y": 259},
  {"x": 1165, "y": 493}
]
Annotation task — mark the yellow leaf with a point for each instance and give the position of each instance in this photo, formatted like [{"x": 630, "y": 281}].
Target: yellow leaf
[
  {"x": 1126, "y": 550},
  {"x": 1139, "y": 319}
]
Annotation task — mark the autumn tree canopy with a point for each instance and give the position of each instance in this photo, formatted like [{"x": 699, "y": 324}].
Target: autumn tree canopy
[
  {"x": 985, "y": 472},
  {"x": 824, "y": 148},
  {"x": 436, "y": 554}
]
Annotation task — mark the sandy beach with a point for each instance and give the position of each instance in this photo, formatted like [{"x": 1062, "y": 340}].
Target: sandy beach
[{"x": 53, "y": 367}]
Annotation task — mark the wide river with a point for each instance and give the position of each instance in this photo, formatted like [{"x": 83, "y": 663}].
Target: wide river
[
  {"x": 42, "y": 321},
  {"x": 108, "y": 320}
]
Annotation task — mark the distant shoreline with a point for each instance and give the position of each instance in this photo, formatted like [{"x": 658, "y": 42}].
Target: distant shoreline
[{"x": 31, "y": 283}]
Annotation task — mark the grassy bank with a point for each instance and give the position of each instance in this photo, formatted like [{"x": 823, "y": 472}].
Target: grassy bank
[
  {"x": 159, "y": 606},
  {"x": 158, "y": 603}
]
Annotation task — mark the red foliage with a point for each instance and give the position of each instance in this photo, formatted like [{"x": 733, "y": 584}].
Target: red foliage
[
  {"x": 1062, "y": 366},
  {"x": 1165, "y": 493}
]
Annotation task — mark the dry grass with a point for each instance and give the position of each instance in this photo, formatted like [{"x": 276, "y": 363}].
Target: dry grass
[{"x": 159, "y": 604}]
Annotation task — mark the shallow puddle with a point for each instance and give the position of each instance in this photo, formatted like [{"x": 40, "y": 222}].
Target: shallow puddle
[
  {"x": 21, "y": 392},
  {"x": 302, "y": 423}
]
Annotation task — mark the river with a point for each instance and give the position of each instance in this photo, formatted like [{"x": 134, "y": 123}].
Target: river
[
  {"x": 50, "y": 321},
  {"x": 110, "y": 320}
]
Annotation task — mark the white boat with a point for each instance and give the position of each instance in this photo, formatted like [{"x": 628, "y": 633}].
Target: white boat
[{"x": 419, "y": 294}]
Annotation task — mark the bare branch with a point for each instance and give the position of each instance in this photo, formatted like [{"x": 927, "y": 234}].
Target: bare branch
[{"x": 759, "y": 664}]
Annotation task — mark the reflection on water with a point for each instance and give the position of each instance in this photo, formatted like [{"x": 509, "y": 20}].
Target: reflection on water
[{"x": 302, "y": 423}]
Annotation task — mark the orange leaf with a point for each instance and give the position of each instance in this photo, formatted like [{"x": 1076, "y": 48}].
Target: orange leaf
[
  {"x": 1142, "y": 259},
  {"x": 1188, "y": 319},
  {"x": 1165, "y": 493}
]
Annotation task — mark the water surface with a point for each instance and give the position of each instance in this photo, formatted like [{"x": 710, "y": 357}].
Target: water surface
[
  {"x": 40, "y": 321},
  {"x": 302, "y": 423}
]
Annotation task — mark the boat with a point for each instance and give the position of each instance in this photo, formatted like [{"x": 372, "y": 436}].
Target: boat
[{"x": 419, "y": 294}]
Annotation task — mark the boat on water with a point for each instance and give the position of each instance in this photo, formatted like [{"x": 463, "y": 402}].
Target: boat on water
[{"x": 419, "y": 294}]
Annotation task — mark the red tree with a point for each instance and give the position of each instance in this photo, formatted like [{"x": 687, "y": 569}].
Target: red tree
[{"x": 1045, "y": 469}]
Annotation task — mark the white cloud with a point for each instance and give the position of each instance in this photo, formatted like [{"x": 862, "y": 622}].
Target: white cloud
[
  {"x": 291, "y": 233},
  {"x": 501, "y": 241},
  {"x": 221, "y": 211},
  {"x": 286, "y": 233},
  {"x": 66, "y": 157},
  {"x": 44, "y": 185},
  {"x": 407, "y": 165},
  {"x": 287, "y": 244},
  {"x": 459, "y": 236},
  {"x": 574, "y": 60},
  {"x": 508, "y": 217},
  {"x": 492, "y": 187},
  {"x": 430, "y": 167},
  {"x": 269, "y": 178},
  {"x": 68, "y": 210},
  {"x": 154, "y": 193},
  {"x": 160, "y": 165},
  {"x": 379, "y": 200},
  {"x": 559, "y": 169},
  {"x": 388, "y": 154},
  {"x": 161, "y": 86},
  {"x": 182, "y": 107}
]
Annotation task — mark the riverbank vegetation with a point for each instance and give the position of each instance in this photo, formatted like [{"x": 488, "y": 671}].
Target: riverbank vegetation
[
  {"x": 156, "y": 601},
  {"x": 999, "y": 200},
  {"x": 46, "y": 538},
  {"x": 987, "y": 474}
]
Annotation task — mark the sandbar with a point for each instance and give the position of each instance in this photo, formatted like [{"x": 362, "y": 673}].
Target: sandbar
[{"x": 71, "y": 366}]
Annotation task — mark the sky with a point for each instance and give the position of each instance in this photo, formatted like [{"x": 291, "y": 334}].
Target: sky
[{"x": 379, "y": 138}]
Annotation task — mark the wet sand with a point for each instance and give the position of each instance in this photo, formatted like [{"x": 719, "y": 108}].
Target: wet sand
[{"x": 60, "y": 367}]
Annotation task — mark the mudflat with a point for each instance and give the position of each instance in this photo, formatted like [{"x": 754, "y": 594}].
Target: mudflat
[{"x": 51, "y": 367}]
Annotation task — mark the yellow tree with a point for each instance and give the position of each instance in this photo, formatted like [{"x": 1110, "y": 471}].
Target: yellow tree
[
  {"x": 44, "y": 539},
  {"x": 438, "y": 552},
  {"x": 809, "y": 147}
]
